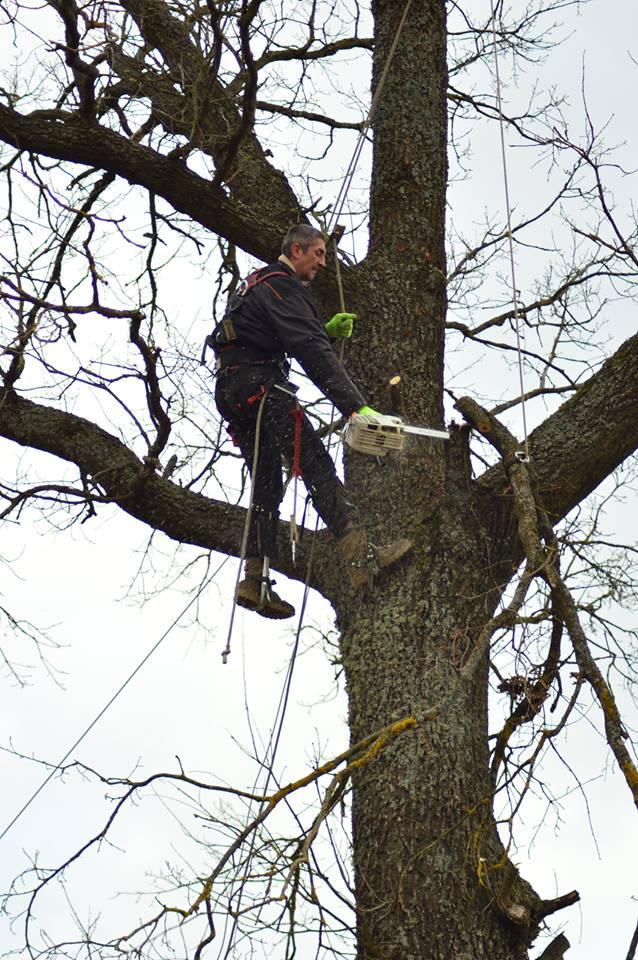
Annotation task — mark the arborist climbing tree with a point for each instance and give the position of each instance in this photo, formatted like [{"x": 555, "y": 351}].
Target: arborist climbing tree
[
  {"x": 270, "y": 318},
  {"x": 140, "y": 138}
]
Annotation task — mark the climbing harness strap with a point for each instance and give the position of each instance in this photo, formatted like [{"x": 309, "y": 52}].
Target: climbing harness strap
[
  {"x": 234, "y": 356},
  {"x": 225, "y": 326}
]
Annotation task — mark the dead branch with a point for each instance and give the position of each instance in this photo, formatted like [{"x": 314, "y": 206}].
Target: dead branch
[
  {"x": 557, "y": 948},
  {"x": 531, "y": 521}
]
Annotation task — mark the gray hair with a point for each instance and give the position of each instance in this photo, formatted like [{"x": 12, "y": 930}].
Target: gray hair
[{"x": 303, "y": 234}]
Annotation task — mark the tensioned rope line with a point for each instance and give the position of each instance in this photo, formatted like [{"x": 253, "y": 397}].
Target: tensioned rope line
[
  {"x": 352, "y": 166},
  {"x": 508, "y": 209},
  {"x": 56, "y": 767}
]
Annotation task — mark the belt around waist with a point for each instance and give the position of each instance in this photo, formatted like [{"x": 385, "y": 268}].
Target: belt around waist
[{"x": 228, "y": 361}]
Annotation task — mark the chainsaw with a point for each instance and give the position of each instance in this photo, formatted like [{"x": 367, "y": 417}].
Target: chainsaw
[{"x": 377, "y": 435}]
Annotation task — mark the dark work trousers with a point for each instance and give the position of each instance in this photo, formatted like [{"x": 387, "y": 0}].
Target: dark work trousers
[{"x": 238, "y": 394}]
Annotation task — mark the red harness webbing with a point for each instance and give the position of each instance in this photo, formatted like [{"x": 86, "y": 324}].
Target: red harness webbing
[{"x": 298, "y": 414}]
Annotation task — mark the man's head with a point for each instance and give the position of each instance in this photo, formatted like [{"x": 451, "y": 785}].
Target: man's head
[{"x": 306, "y": 249}]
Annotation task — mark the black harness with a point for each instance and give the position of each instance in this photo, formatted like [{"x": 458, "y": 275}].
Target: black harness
[{"x": 223, "y": 339}]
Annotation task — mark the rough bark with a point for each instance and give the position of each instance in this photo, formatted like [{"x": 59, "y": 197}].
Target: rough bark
[{"x": 427, "y": 859}]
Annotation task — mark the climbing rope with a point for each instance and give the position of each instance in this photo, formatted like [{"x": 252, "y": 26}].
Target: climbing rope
[
  {"x": 367, "y": 123},
  {"x": 508, "y": 209}
]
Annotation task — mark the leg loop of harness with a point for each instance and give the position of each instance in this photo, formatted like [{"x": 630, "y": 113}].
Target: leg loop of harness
[{"x": 297, "y": 414}]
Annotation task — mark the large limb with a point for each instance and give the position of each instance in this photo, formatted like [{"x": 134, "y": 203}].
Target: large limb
[
  {"x": 122, "y": 478},
  {"x": 590, "y": 435},
  {"x": 214, "y": 120},
  {"x": 186, "y": 191}
]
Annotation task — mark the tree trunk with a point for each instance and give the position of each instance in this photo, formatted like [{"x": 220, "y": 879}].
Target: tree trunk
[
  {"x": 427, "y": 857},
  {"x": 431, "y": 877}
]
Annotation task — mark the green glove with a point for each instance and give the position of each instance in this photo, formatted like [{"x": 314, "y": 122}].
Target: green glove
[
  {"x": 340, "y": 325},
  {"x": 368, "y": 412}
]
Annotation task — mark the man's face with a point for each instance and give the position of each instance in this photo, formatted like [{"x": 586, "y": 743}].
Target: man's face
[{"x": 308, "y": 262}]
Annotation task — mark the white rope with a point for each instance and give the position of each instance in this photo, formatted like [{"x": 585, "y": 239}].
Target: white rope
[
  {"x": 244, "y": 540},
  {"x": 517, "y": 324},
  {"x": 352, "y": 166}
]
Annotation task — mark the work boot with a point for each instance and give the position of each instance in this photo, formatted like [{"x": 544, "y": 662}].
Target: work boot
[
  {"x": 248, "y": 593},
  {"x": 363, "y": 559}
]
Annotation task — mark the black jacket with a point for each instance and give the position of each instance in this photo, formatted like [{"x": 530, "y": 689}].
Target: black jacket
[{"x": 276, "y": 317}]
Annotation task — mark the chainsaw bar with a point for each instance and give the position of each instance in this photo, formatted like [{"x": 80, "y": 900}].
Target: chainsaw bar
[
  {"x": 377, "y": 435},
  {"x": 426, "y": 432}
]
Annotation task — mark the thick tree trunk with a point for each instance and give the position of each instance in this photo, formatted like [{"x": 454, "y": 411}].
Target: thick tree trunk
[
  {"x": 426, "y": 853},
  {"x": 425, "y": 848}
]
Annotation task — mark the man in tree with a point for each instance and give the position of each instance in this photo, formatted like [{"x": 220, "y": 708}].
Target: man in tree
[
  {"x": 156, "y": 124},
  {"x": 270, "y": 317}
]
